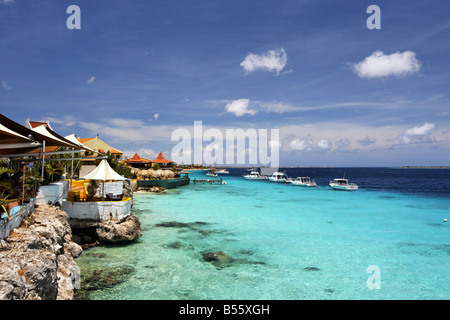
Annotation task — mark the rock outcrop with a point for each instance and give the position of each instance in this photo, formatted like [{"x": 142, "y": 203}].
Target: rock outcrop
[
  {"x": 37, "y": 259},
  {"x": 218, "y": 259},
  {"x": 127, "y": 229},
  {"x": 89, "y": 233}
]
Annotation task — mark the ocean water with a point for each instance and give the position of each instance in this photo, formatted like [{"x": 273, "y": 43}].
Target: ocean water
[{"x": 286, "y": 242}]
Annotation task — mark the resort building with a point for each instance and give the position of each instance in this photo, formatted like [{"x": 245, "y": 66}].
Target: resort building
[
  {"x": 161, "y": 161},
  {"x": 138, "y": 162},
  {"x": 101, "y": 146},
  {"x": 26, "y": 143}
]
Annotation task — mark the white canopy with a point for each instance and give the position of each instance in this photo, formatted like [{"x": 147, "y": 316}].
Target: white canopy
[
  {"x": 43, "y": 130},
  {"x": 74, "y": 140},
  {"x": 103, "y": 172}
]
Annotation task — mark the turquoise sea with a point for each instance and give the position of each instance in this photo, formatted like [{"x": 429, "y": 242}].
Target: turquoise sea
[{"x": 286, "y": 242}]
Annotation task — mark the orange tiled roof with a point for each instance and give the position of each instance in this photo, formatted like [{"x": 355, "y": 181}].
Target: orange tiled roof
[
  {"x": 116, "y": 151},
  {"x": 137, "y": 159},
  {"x": 161, "y": 159}
]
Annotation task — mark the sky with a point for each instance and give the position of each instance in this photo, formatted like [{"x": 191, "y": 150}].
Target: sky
[{"x": 339, "y": 92}]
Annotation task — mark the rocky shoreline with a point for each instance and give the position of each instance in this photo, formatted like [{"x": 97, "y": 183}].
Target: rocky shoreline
[{"x": 37, "y": 260}]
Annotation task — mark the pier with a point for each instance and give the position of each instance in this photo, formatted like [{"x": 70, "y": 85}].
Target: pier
[{"x": 209, "y": 181}]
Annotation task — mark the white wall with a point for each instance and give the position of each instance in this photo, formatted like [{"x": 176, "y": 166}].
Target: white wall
[
  {"x": 98, "y": 210},
  {"x": 53, "y": 193}
]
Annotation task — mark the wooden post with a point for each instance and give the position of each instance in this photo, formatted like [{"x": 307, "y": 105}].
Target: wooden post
[{"x": 23, "y": 183}]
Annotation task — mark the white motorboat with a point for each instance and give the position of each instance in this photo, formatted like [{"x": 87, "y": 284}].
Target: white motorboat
[
  {"x": 222, "y": 171},
  {"x": 343, "y": 184},
  {"x": 279, "y": 177},
  {"x": 254, "y": 175},
  {"x": 211, "y": 173},
  {"x": 304, "y": 182}
]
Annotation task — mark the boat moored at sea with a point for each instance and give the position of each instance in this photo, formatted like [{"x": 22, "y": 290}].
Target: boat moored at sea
[
  {"x": 279, "y": 177},
  {"x": 304, "y": 182},
  {"x": 343, "y": 184},
  {"x": 211, "y": 173},
  {"x": 254, "y": 175},
  {"x": 222, "y": 171}
]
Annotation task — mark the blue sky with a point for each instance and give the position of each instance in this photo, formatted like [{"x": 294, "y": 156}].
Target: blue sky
[{"x": 340, "y": 94}]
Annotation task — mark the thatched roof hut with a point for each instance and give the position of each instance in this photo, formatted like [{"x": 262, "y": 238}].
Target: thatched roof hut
[{"x": 159, "y": 173}]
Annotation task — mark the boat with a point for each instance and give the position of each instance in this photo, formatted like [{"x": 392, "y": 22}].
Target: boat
[
  {"x": 211, "y": 173},
  {"x": 279, "y": 177},
  {"x": 304, "y": 182},
  {"x": 343, "y": 184},
  {"x": 254, "y": 175},
  {"x": 222, "y": 171}
]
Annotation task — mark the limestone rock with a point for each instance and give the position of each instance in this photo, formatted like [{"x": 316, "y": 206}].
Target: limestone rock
[
  {"x": 37, "y": 259},
  {"x": 128, "y": 188},
  {"x": 127, "y": 229}
]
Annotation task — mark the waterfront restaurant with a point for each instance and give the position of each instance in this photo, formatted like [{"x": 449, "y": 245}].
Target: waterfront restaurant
[
  {"x": 137, "y": 162},
  {"x": 161, "y": 161}
]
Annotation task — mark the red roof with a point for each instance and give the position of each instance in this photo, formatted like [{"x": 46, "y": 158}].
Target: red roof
[
  {"x": 35, "y": 124},
  {"x": 161, "y": 159}
]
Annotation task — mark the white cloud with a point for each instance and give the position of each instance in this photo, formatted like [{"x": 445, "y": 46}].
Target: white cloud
[
  {"x": 5, "y": 85},
  {"x": 325, "y": 144},
  {"x": 91, "y": 80},
  {"x": 301, "y": 144},
  {"x": 277, "y": 107},
  {"x": 127, "y": 131},
  {"x": 284, "y": 107},
  {"x": 367, "y": 141},
  {"x": 272, "y": 61},
  {"x": 67, "y": 121},
  {"x": 239, "y": 107},
  {"x": 142, "y": 152},
  {"x": 156, "y": 116},
  {"x": 416, "y": 133},
  {"x": 343, "y": 144},
  {"x": 6, "y": 1},
  {"x": 425, "y": 129},
  {"x": 380, "y": 65}
]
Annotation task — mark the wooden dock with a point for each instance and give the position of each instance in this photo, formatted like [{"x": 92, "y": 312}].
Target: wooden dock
[{"x": 209, "y": 181}]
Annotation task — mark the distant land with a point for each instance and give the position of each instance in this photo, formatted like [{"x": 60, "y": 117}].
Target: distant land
[
  {"x": 293, "y": 167},
  {"x": 425, "y": 167}
]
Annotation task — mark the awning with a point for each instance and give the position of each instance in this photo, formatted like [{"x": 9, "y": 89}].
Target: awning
[
  {"x": 50, "y": 134},
  {"x": 26, "y": 139},
  {"x": 103, "y": 172},
  {"x": 72, "y": 138},
  {"x": 11, "y": 141}
]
